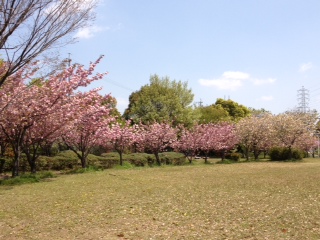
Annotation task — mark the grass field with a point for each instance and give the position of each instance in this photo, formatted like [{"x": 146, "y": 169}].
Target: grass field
[{"x": 254, "y": 200}]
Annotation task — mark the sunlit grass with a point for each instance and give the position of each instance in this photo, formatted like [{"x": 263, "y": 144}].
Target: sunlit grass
[{"x": 254, "y": 200}]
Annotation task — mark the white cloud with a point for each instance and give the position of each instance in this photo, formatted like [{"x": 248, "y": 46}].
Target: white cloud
[
  {"x": 266, "y": 98},
  {"x": 305, "y": 67},
  {"x": 233, "y": 80},
  {"x": 88, "y": 32}
]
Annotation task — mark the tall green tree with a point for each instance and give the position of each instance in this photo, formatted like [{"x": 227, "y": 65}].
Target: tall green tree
[
  {"x": 212, "y": 114},
  {"x": 162, "y": 100},
  {"x": 235, "y": 110}
]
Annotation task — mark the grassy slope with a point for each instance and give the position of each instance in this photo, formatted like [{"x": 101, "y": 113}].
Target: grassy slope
[{"x": 261, "y": 200}]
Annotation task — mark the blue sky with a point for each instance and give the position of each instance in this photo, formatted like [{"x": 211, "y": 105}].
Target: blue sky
[{"x": 258, "y": 53}]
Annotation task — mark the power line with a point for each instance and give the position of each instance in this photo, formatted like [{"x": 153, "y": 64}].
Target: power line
[
  {"x": 119, "y": 85},
  {"x": 314, "y": 90}
]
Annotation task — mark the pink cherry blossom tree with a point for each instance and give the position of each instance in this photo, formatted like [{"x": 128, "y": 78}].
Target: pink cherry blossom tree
[
  {"x": 289, "y": 127},
  {"x": 122, "y": 135},
  {"x": 307, "y": 142},
  {"x": 157, "y": 137},
  {"x": 217, "y": 137},
  {"x": 189, "y": 142},
  {"x": 225, "y": 138},
  {"x": 255, "y": 134},
  {"x": 85, "y": 132}
]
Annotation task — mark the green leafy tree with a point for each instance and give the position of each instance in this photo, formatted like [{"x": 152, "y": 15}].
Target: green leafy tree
[
  {"x": 212, "y": 114},
  {"x": 235, "y": 110},
  {"x": 162, "y": 100},
  {"x": 111, "y": 102}
]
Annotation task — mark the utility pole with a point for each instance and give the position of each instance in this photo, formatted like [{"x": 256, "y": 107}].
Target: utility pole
[
  {"x": 303, "y": 100},
  {"x": 69, "y": 59},
  {"x": 199, "y": 103}
]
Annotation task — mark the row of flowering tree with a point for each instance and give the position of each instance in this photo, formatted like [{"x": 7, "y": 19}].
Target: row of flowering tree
[
  {"x": 289, "y": 130},
  {"x": 159, "y": 137},
  {"x": 35, "y": 113}
]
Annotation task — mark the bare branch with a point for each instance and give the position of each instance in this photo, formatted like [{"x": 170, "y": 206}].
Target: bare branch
[{"x": 28, "y": 28}]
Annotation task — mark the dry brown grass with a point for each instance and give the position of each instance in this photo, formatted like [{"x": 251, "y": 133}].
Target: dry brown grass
[{"x": 261, "y": 200}]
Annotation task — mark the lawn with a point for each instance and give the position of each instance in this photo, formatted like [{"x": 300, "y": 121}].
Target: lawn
[{"x": 254, "y": 200}]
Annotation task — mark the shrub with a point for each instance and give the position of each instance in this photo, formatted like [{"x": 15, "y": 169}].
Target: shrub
[
  {"x": 138, "y": 159},
  {"x": 105, "y": 161},
  {"x": 275, "y": 153},
  {"x": 283, "y": 154},
  {"x": 297, "y": 154},
  {"x": 173, "y": 158},
  {"x": 65, "y": 160},
  {"x": 233, "y": 156}
]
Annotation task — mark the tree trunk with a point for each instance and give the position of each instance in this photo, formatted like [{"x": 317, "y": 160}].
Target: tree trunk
[
  {"x": 32, "y": 156},
  {"x": 290, "y": 153},
  {"x": 256, "y": 154},
  {"x": 205, "y": 157},
  {"x": 223, "y": 155},
  {"x": 83, "y": 161},
  {"x": 189, "y": 156},
  {"x": 157, "y": 158},
  {"x": 120, "y": 155},
  {"x": 246, "y": 153},
  {"x": 33, "y": 169},
  {"x": 16, "y": 161}
]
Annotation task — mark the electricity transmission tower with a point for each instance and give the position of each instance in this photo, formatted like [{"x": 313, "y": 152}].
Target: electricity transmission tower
[{"x": 303, "y": 100}]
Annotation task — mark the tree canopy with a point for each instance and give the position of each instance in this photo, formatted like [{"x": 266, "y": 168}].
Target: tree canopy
[
  {"x": 235, "y": 110},
  {"x": 162, "y": 100},
  {"x": 213, "y": 114}
]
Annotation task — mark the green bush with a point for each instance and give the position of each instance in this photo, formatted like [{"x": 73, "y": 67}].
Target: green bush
[
  {"x": 65, "y": 160},
  {"x": 172, "y": 158},
  {"x": 233, "y": 156},
  {"x": 297, "y": 154},
  {"x": 283, "y": 154},
  {"x": 137, "y": 159},
  {"x": 275, "y": 154},
  {"x": 105, "y": 161}
]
